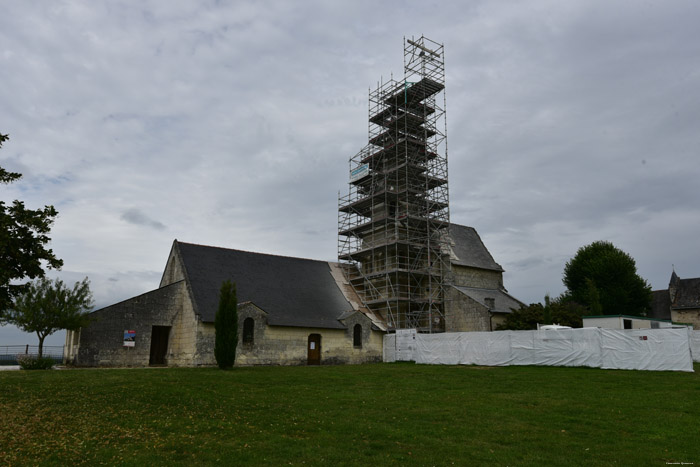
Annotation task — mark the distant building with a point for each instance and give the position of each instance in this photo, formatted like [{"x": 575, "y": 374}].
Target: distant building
[
  {"x": 679, "y": 303},
  {"x": 625, "y": 322}
]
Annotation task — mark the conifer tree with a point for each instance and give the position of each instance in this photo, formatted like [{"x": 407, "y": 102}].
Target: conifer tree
[{"x": 226, "y": 326}]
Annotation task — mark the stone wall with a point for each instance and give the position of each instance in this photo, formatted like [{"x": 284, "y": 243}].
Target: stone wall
[
  {"x": 475, "y": 277},
  {"x": 464, "y": 314},
  {"x": 687, "y": 317},
  {"x": 102, "y": 340},
  {"x": 286, "y": 345},
  {"x": 174, "y": 271}
]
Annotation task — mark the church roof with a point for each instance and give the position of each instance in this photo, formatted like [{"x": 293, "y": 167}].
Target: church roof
[
  {"x": 467, "y": 249},
  {"x": 502, "y": 302},
  {"x": 687, "y": 294},
  {"x": 293, "y": 291}
]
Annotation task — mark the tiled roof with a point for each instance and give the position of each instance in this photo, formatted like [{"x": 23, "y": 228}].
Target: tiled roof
[
  {"x": 503, "y": 302},
  {"x": 687, "y": 293},
  {"x": 293, "y": 291},
  {"x": 467, "y": 249}
]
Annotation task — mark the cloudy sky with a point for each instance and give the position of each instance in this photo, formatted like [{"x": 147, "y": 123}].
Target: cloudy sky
[{"x": 231, "y": 124}]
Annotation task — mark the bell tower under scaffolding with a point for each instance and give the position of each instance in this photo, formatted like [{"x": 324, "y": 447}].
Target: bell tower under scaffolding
[{"x": 393, "y": 223}]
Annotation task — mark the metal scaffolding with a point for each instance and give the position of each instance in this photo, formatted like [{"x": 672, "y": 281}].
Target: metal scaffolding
[{"x": 392, "y": 225}]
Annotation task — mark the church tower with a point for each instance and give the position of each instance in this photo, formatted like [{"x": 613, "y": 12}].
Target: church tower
[{"x": 393, "y": 223}]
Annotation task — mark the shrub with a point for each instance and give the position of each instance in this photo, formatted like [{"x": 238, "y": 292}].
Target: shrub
[{"x": 31, "y": 362}]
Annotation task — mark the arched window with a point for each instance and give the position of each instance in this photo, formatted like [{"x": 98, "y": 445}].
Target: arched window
[
  {"x": 357, "y": 336},
  {"x": 248, "y": 331}
]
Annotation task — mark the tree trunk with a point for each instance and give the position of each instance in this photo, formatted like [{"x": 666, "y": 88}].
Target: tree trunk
[{"x": 41, "y": 344}]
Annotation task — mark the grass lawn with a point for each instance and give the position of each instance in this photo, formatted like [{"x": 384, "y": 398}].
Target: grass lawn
[{"x": 350, "y": 415}]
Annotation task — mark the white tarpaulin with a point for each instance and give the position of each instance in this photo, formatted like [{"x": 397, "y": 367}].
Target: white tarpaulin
[
  {"x": 647, "y": 349},
  {"x": 695, "y": 345}
]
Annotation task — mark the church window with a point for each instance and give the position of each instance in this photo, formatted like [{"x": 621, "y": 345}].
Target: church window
[
  {"x": 248, "y": 331},
  {"x": 357, "y": 336}
]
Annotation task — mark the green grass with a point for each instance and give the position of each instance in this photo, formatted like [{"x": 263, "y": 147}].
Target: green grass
[{"x": 350, "y": 415}]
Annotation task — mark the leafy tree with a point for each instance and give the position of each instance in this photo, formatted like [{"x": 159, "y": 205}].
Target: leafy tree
[
  {"x": 226, "y": 326},
  {"x": 46, "y": 305},
  {"x": 553, "y": 311},
  {"x": 604, "y": 279},
  {"x": 23, "y": 239}
]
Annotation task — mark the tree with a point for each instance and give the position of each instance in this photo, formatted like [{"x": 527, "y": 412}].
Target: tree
[
  {"x": 46, "y": 305},
  {"x": 23, "y": 239},
  {"x": 554, "y": 311},
  {"x": 604, "y": 279},
  {"x": 226, "y": 326}
]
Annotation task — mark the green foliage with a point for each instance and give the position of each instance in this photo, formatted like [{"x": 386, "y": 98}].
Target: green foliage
[
  {"x": 46, "y": 306},
  {"x": 556, "y": 311},
  {"x": 226, "y": 326},
  {"x": 23, "y": 239},
  {"x": 31, "y": 362},
  {"x": 604, "y": 279}
]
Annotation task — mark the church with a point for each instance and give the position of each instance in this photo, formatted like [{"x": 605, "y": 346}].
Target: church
[
  {"x": 292, "y": 311},
  {"x": 402, "y": 264}
]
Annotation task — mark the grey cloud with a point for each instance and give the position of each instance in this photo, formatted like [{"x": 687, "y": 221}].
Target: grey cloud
[{"x": 136, "y": 217}]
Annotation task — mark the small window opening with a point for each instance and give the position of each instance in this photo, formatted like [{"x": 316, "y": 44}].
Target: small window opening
[
  {"x": 357, "y": 336},
  {"x": 248, "y": 331},
  {"x": 627, "y": 323}
]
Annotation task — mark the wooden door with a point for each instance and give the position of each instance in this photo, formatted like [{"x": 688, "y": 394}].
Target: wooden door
[
  {"x": 159, "y": 344},
  {"x": 314, "y": 349}
]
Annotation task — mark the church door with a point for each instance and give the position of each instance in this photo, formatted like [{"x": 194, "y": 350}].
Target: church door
[
  {"x": 314, "y": 349},
  {"x": 159, "y": 344}
]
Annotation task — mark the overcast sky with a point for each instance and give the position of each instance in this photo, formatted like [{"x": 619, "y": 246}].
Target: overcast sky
[{"x": 231, "y": 124}]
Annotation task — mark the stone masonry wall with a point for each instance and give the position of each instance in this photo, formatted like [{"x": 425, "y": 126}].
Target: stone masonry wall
[
  {"x": 687, "y": 317},
  {"x": 464, "y": 314},
  {"x": 283, "y": 345},
  {"x": 101, "y": 341},
  {"x": 475, "y": 277}
]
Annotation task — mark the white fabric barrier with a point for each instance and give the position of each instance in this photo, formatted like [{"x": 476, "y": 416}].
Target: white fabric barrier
[
  {"x": 389, "y": 348},
  {"x": 647, "y": 349},
  {"x": 695, "y": 345}
]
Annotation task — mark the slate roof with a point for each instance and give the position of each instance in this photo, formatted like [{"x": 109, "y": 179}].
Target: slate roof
[
  {"x": 467, "y": 249},
  {"x": 687, "y": 294},
  {"x": 503, "y": 303},
  {"x": 293, "y": 291},
  {"x": 660, "y": 305}
]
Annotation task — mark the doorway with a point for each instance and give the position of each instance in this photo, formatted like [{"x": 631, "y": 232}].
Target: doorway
[
  {"x": 314, "y": 349},
  {"x": 159, "y": 344}
]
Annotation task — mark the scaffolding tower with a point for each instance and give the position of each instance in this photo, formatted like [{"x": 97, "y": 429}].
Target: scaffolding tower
[{"x": 392, "y": 225}]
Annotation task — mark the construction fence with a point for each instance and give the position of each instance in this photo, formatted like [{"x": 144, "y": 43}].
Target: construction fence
[{"x": 670, "y": 349}]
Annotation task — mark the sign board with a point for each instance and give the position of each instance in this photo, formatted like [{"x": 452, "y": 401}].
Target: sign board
[
  {"x": 405, "y": 344},
  {"x": 359, "y": 172},
  {"x": 129, "y": 338}
]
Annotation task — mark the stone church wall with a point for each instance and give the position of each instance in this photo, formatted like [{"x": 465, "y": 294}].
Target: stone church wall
[
  {"x": 463, "y": 314},
  {"x": 475, "y": 277},
  {"x": 286, "y": 345},
  {"x": 102, "y": 340}
]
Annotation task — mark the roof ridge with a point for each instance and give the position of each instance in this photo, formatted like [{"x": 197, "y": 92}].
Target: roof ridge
[{"x": 253, "y": 252}]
